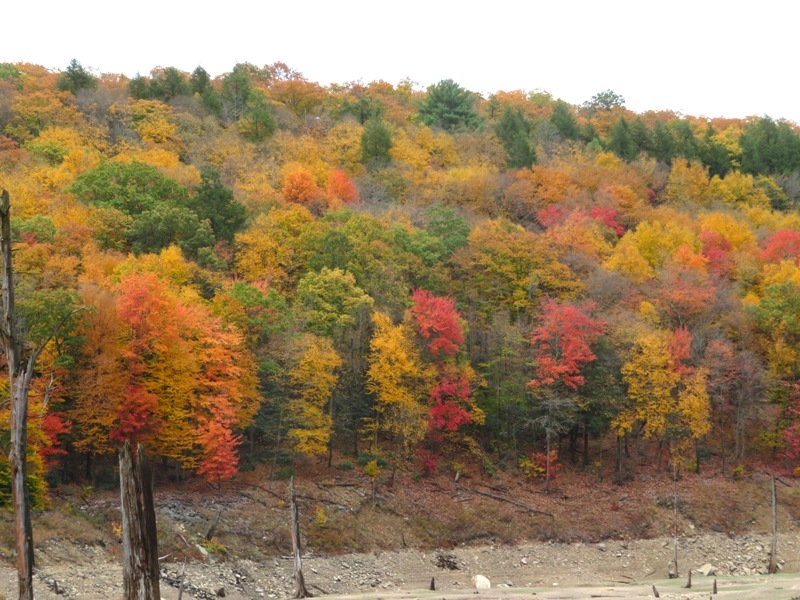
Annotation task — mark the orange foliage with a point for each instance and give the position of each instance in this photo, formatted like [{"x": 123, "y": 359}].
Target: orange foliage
[
  {"x": 341, "y": 188},
  {"x": 299, "y": 186}
]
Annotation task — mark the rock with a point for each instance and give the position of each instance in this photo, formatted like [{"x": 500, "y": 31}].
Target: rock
[
  {"x": 707, "y": 570},
  {"x": 481, "y": 582},
  {"x": 221, "y": 592},
  {"x": 523, "y": 560},
  {"x": 601, "y": 546}
]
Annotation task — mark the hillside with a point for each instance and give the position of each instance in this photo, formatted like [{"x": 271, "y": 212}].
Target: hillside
[{"x": 378, "y": 286}]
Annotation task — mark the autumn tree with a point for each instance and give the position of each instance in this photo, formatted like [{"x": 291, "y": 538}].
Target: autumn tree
[
  {"x": 561, "y": 348},
  {"x": 667, "y": 396},
  {"x": 451, "y": 401},
  {"x": 505, "y": 264},
  {"x": 313, "y": 378},
  {"x": 180, "y": 382},
  {"x": 331, "y": 304},
  {"x": 399, "y": 380},
  {"x": 266, "y": 250}
]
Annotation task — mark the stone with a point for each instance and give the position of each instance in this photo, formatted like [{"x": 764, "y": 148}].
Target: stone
[
  {"x": 481, "y": 582},
  {"x": 707, "y": 570}
]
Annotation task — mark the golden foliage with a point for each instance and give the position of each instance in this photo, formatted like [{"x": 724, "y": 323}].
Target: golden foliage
[{"x": 313, "y": 379}]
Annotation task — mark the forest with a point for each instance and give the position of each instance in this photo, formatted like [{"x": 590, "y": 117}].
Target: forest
[{"x": 254, "y": 269}]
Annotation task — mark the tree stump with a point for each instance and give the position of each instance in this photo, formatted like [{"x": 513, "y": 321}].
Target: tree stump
[{"x": 139, "y": 541}]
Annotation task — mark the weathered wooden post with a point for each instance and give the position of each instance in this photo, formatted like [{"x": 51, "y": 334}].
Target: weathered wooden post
[{"x": 139, "y": 540}]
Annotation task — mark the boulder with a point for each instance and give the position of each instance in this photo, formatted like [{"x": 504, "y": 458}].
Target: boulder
[
  {"x": 706, "y": 570},
  {"x": 481, "y": 582}
]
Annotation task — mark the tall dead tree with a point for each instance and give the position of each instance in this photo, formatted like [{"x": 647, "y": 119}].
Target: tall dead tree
[
  {"x": 139, "y": 540},
  {"x": 773, "y": 551},
  {"x": 300, "y": 590},
  {"x": 21, "y": 356},
  {"x": 20, "y": 362}
]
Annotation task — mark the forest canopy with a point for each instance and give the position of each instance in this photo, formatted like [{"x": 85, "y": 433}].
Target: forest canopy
[{"x": 396, "y": 273}]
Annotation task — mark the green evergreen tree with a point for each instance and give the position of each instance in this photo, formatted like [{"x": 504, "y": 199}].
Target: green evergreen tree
[
  {"x": 76, "y": 78},
  {"x": 376, "y": 141},
  {"x": 686, "y": 145},
  {"x": 663, "y": 143},
  {"x": 642, "y": 136},
  {"x": 215, "y": 203},
  {"x": 564, "y": 121},
  {"x": 770, "y": 147},
  {"x": 199, "y": 81},
  {"x": 449, "y": 106},
  {"x": 257, "y": 122},
  {"x": 514, "y": 131},
  {"x": 713, "y": 154},
  {"x": 168, "y": 84},
  {"x": 621, "y": 141},
  {"x": 139, "y": 87},
  {"x": 236, "y": 90}
]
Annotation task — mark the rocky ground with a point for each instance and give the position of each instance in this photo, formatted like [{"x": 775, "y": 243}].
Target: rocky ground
[
  {"x": 67, "y": 570},
  {"x": 584, "y": 539}
]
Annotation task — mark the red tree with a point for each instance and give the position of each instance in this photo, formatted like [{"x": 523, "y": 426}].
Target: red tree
[
  {"x": 437, "y": 320},
  {"x": 562, "y": 344},
  {"x": 561, "y": 348},
  {"x": 784, "y": 244}
]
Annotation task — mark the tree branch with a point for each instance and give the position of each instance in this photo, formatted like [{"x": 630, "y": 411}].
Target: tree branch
[{"x": 514, "y": 502}]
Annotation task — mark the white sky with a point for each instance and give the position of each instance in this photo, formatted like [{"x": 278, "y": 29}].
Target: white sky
[{"x": 701, "y": 57}]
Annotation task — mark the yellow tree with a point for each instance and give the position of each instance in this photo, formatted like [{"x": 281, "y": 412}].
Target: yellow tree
[
  {"x": 400, "y": 382},
  {"x": 667, "y": 397},
  {"x": 694, "y": 409},
  {"x": 313, "y": 379},
  {"x": 266, "y": 251},
  {"x": 651, "y": 380},
  {"x": 687, "y": 183}
]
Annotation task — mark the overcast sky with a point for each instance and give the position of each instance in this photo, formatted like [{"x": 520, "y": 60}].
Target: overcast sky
[{"x": 699, "y": 57}]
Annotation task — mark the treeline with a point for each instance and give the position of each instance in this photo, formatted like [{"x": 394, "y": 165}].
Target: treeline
[{"x": 268, "y": 268}]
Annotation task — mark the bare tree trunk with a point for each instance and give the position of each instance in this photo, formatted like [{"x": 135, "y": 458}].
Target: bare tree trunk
[
  {"x": 585, "y": 445},
  {"x": 547, "y": 465},
  {"x": 674, "y": 573},
  {"x": 773, "y": 552},
  {"x": 19, "y": 379},
  {"x": 140, "y": 543},
  {"x": 300, "y": 590},
  {"x": 18, "y": 463}
]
